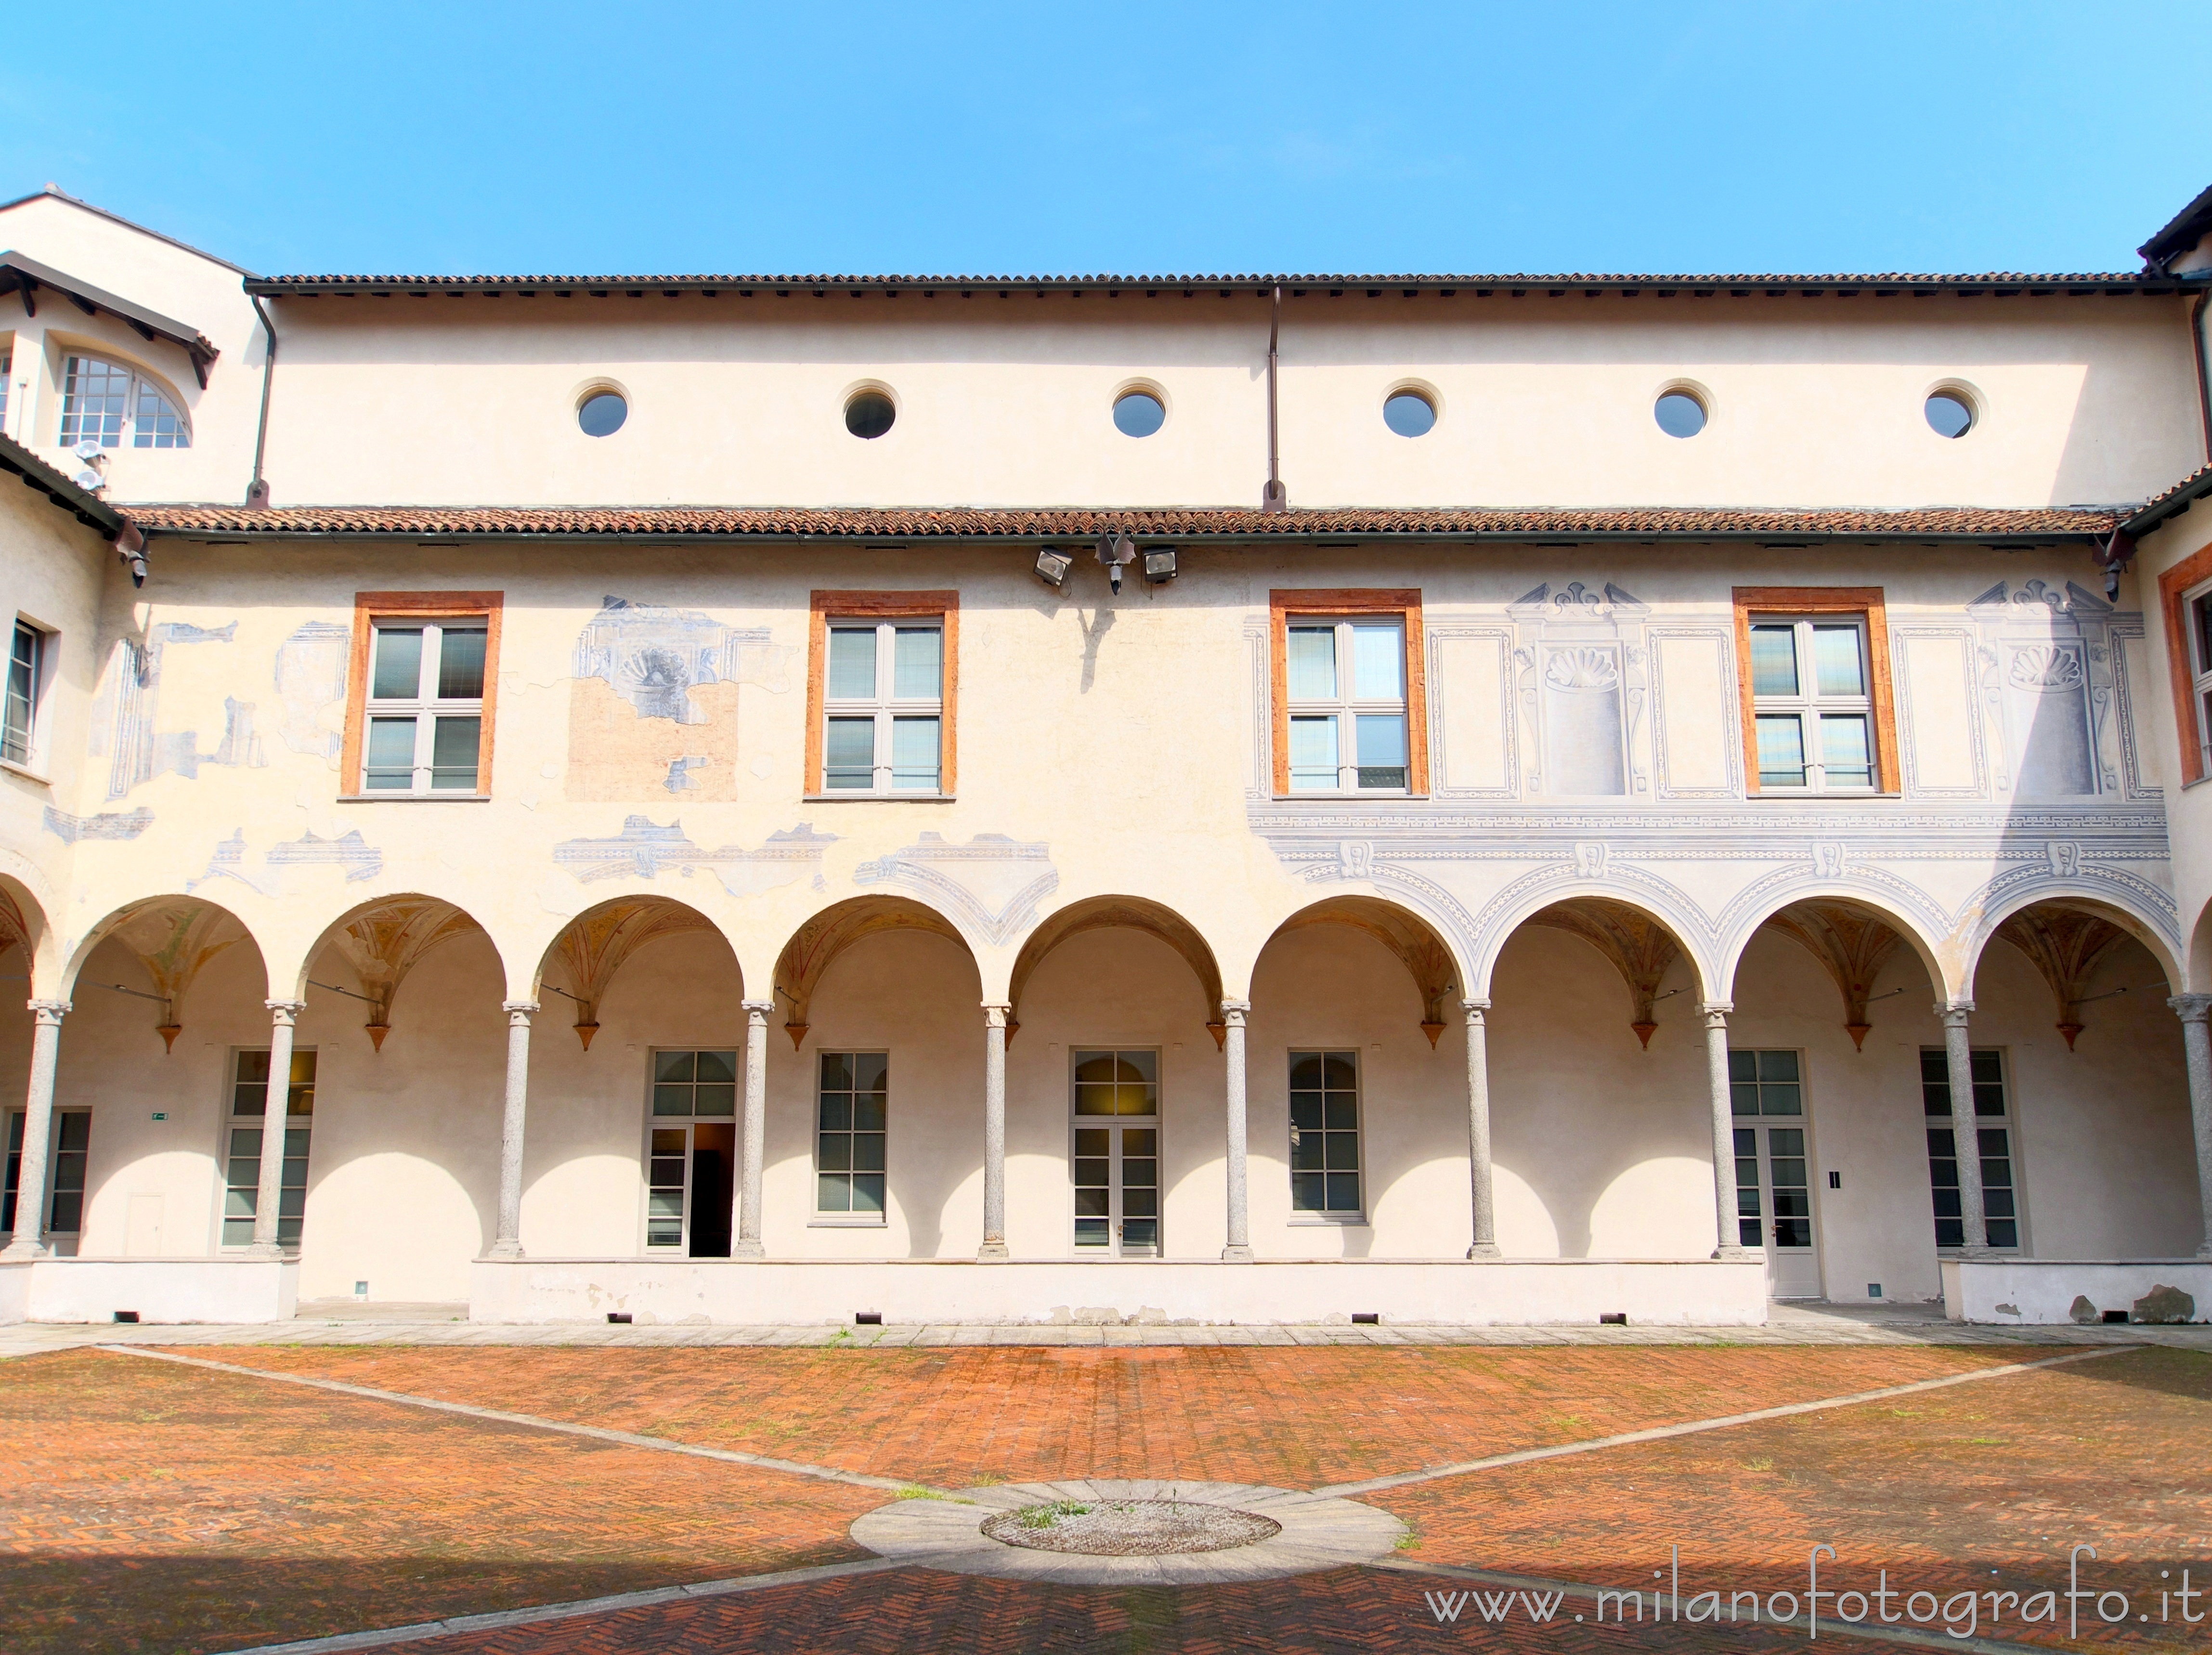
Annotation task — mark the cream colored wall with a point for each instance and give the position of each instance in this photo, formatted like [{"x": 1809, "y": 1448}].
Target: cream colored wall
[
  {"x": 1545, "y": 401},
  {"x": 187, "y": 287},
  {"x": 2189, "y": 808}
]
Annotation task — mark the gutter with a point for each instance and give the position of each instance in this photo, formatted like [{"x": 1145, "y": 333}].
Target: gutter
[{"x": 256, "y": 492}]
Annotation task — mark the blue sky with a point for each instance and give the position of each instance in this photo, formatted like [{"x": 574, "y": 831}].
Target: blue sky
[{"x": 860, "y": 137}]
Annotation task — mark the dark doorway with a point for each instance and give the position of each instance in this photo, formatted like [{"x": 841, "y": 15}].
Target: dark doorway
[{"x": 714, "y": 1179}]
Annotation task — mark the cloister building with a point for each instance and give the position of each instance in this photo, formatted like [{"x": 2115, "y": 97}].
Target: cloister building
[{"x": 1504, "y": 798}]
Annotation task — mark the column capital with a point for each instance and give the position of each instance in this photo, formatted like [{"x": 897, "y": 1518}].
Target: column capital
[
  {"x": 49, "y": 1012},
  {"x": 2190, "y": 1009},
  {"x": 1475, "y": 1009},
  {"x": 1234, "y": 1012},
  {"x": 519, "y": 1010},
  {"x": 1954, "y": 1013},
  {"x": 995, "y": 1014},
  {"x": 1715, "y": 1012},
  {"x": 286, "y": 1011},
  {"x": 757, "y": 1011}
]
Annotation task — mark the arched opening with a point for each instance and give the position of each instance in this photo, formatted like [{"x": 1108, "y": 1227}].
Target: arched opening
[{"x": 1136, "y": 914}]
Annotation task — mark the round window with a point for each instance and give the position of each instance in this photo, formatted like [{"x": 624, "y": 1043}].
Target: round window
[
  {"x": 1949, "y": 414},
  {"x": 602, "y": 413},
  {"x": 1138, "y": 413},
  {"x": 869, "y": 415},
  {"x": 1680, "y": 414},
  {"x": 1409, "y": 414}
]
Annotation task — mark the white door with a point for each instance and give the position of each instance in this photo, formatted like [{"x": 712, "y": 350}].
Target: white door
[
  {"x": 1116, "y": 1154},
  {"x": 1774, "y": 1198}
]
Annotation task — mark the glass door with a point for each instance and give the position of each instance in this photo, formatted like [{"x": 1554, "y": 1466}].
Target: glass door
[
  {"x": 1773, "y": 1180},
  {"x": 1116, "y": 1154},
  {"x": 68, "y": 1148}
]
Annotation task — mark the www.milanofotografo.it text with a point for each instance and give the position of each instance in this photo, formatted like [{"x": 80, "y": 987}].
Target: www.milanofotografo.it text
[{"x": 1836, "y": 1603}]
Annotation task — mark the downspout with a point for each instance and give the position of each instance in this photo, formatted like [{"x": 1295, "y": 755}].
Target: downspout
[
  {"x": 1274, "y": 498},
  {"x": 256, "y": 492},
  {"x": 2203, "y": 391}
]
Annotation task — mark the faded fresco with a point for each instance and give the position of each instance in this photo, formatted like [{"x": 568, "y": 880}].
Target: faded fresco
[
  {"x": 646, "y": 849},
  {"x": 126, "y": 717},
  {"x": 311, "y": 686},
  {"x": 360, "y": 860}
]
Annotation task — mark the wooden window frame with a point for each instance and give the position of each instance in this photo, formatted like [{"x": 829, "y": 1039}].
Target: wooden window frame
[
  {"x": 1864, "y": 603},
  {"x": 1335, "y": 602},
  {"x": 2173, "y": 588},
  {"x": 369, "y": 608},
  {"x": 944, "y": 608}
]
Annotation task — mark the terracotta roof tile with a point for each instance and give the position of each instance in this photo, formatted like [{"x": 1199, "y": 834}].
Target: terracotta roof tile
[{"x": 1037, "y": 525}]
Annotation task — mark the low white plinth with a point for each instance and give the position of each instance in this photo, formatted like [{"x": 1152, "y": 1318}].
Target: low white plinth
[
  {"x": 2028, "y": 1292},
  {"x": 1688, "y": 1293},
  {"x": 15, "y": 1291},
  {"x": 158, "y": 1289}
]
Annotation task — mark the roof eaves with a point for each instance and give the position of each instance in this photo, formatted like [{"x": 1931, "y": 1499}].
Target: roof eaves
[
  {"x": 2181, "y": 232},
  {"x": 2170, "y": 504},
  {"x": 86, "y": 508},
  {"x": 29, "y": 275}
]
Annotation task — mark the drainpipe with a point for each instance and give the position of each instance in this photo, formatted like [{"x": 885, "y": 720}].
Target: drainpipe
[
  {"x": 1274, "y": 498},
  {"x": 256, "y": 492},
  {"x": 2203, "y": 391}
]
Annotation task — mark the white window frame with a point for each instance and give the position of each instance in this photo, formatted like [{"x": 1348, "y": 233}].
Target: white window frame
[
  {"x": 425, "y": 707},
  {"x": 655, "y": 1121},
  {"x": 1339, "y": 1218},
  {"x": 137, "y": 387},
  {"x": 2197, "y": 618},
  {"x": 22, "y": 724},
  {"x": 2007, "y": 1122},
  {"x": 1345, "y": 706},
  {"x": 1809, "y": 704},
  {"x": 234, "y": 1120},
  {"x": 848, "y": 1217},
  {"x": 885, "y": 707}
]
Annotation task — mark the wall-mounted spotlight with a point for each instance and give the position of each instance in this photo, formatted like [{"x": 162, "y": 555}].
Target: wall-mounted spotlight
[
  {"x": 1052, "y": 567},
  {"x": 1159, "y": 564},
  {"x": 1116, "y": 552}
]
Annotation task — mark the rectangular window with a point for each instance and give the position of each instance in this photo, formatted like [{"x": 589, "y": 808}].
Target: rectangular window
[
  {"x": 851, "y": 1105},
  {"x": 70, "y": 1145},
  {"x": 420, "y": 699},
  {"x": 245, "y": 1133},
  {"x": 1114, "y": 1152},
  {"x": 27, "y": 665},
  {"x": 880, "y": 684},
  {"x": 1814, "y": 669},
  {"x": 691, "y": 1152},
  {"x": 1325, "y": 1135},
  {"x": 1351, "y": 712},
  {"x": 1992, "y": 1120},
  {"x": 2196, "y": 607},
  {"x": 1772, "y": 1180}
]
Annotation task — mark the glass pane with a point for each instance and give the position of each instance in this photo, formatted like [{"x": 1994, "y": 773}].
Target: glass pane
[
  {"x": 1743, "y": 1065},
  {"x": 668, "y": 1141},
  {"x": 671, "y": 1100},
  {"x": 1344, "y": 1192},
  {"x": 709, "y": 1100},
  {"x": 157, "y": 424},
  {"x": 849, "y": 756},
  {"x": 1313, "y": 754},
  {"x": 868, "y": 1111},
  {"x": 913, "y": 754},
  {"x": 871, "y": 1071},
  {"x": 1313, "y": 663},
  {"x": 717, "y": 1066},
  {"x": 1781, "y": 752},
  {"x": 674, "y": 1065},
  {"x": 1743, "y": 1098},
  {"x": 1306, "y": 1070},
  {"x": 399, "y": 675},
  {"x": 1843, "y": 751},
  {"x": 918, "y": 664},
  {"x": 1340, "y": 1071},
  {"x": 1137, "y": 1064},
  {"x": 1781, "y": 1098},
  {"x": 836, "y": 1151},
  {"x": 1095, "y": 1066},
  {"x": 1774, "y": 660},
  {"x": 2004, "y": 1232},
  {"x": 390, "y": 763},
  {"x": 454, "y": 746},
  {"x": 1381, "y": 738},
  {"x": 1776, "y": 1065},
  {"x": 837, "y": 1071},
  {"x": 868, "y": 1192},
  {"x": 1306, "y": 1109},
  {"x": 867, "y": 1151},
  {"x": 833, "y": 1192},
  {"x": 461, "y": 664},
  {"x": 836, "y": 1111},
  {"x": 1378, "y": 663},
  {"x": 1836, "y": 662},
  {"x": 1341, "y": 1112},
  {"x": 1309, "y": 1148},
  {"x": 1309, "y": 1192},
  {"x": 851, "y": 664}
]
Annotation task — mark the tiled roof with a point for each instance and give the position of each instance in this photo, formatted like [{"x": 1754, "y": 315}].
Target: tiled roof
[
  {"x": 2181, "y": 232},
  {"x": 2170, "y": 502},
  {"x": 1893, "y": 280},
  {"x": 35, "y": 473},
  {"x": 1210, "y": 523}
]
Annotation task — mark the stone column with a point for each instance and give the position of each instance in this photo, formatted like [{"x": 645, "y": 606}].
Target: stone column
[
  {"x": 746, "y": 1231},
  {"x": 1485, "y": 1244},
  {"x": 1965, "y": 1130},
  {"x": 994, "y": 1132},
  {"x": 29, "y": 1240},
  {"x": 1724, "y": 1192},
  {"x": 519, "y": 1014},
  {"x": 2196, "y": 1044},
  {"x": 1233, "y": 1014},
  {"x": 274, "y": 1117}
]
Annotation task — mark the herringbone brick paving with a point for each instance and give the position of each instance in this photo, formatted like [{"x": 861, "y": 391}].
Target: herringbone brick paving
[{"x": 145, "y": 1507}]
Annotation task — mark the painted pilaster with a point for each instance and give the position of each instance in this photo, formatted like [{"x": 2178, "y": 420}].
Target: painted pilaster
[
  {"x": 1716, "y": 1080},
  {"x": 29, "y": 1240},
  {"x": 1485, "y": 1242},
  {"x": 275, "y": 1115},
  {"x": 1233, "y": 1014},
  {"x": 2197, "y": 1043},
  {"x": 994, "y": 1132},
  {"x": 519, "y": 1014},
  {"x": 1966, "y": 1131},
  {"x": 746, "y": 1227}
]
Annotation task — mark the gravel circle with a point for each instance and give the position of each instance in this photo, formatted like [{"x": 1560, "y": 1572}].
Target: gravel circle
[{"x": 1131, "y": 1528}]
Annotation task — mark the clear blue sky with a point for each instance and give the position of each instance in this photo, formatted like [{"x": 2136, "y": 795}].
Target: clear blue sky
[{"x": 481, "y": 136}]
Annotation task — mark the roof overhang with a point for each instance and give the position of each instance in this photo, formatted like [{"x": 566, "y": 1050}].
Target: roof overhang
[
  {"x": 28, "y": 276},
  {"x": 35, "y": 473}
]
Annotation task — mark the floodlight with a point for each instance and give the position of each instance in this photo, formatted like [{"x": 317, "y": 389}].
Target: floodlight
[
  {"x": 1159, "y": 564},
  {"x": 1052, "y": 567}
]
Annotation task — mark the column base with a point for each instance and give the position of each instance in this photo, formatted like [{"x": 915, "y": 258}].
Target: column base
[
  {"x": 266, "y": 1249},
  {"x": 992, "y": 1252},
  {"x": 1485, "y": 1250},
  {"x": 1736, "y": 1252},
  {"x": 1236, "y": 1254},
  {"x": 509, "y": 1249},
  {"x": 1977, "y": 1250},
  {"x": 744, "y": 1249},
  {"x": 17, "y": 1251}
]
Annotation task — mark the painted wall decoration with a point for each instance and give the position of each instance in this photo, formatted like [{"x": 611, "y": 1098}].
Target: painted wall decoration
[
  {"x": 311, "y": 684},
  {"x": 360, "y": 860},
  {"x": 386, "y": 941},
  {"x": 108, "y": 824},
  {"x": 125, "y": 715},
  {"x": 646, "y": 849},
  {"x": 174, "y": 941},
  {"x": 2049, "y": 668},
  {"x": 991, "y": 885},
  {"x": 653, "y": 705}
]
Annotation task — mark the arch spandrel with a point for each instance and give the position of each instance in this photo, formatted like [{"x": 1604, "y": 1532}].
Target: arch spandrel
[
  {"x": 821, "y": 938},
  {"x": 592, "y": 947},
  {"x": 1854, "y": 933},
  {"x": 2101, "y": 902},
  {"x": 378, "y": 944},
  {"x": 1652, "y": 899},
  {"x": 2068, "y": 941},
  {"x": 173, "y": 938},
  {"x": 1435, "y": 968},
  {"x": 1115, "y": 912}
]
